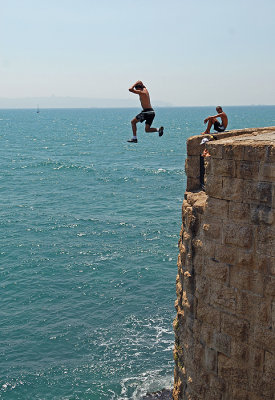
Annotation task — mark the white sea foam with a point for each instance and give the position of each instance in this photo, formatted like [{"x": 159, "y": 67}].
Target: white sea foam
[{"x": 135, "y": 387}]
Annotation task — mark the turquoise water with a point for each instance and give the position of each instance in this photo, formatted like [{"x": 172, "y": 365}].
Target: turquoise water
[{"x": 89, "y": 232}]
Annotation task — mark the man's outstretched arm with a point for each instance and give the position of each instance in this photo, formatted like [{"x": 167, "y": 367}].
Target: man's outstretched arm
[{"x": 133, "y": 90}]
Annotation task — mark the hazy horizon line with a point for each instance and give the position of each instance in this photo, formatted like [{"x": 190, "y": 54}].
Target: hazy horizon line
[
  {"x": 67, "y": 102},
  {"x": 130, "y": 107}
]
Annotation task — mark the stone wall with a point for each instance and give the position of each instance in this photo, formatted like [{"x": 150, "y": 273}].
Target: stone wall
[{"x": 225, "y": 323}]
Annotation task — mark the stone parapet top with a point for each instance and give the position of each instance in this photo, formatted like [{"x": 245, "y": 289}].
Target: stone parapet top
[
  {"x": 243, "y": 146},
  {"x": 264, "y": 135},
  {"x": 261, "y": 137}
]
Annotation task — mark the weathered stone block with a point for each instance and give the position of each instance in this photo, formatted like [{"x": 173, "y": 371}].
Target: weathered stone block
[
  {"x": 240, "y": 394},
  {"x": 213, "y": 186},
  {"x": 265, "y": 237},
  {"x": 193, "y": 146},
  {"x": 269, "y": 365},
  {"x": 216, "y": 208},
  {"x": 208, "y": 314},
  {"x": 223, "y": 296},
  {"x": 269, "y": 289},
  {"x": 211, "y": 394},
  {"x": 264, "y": 190},
  {"x": 239, "y": 211},
  {"x": 257, "y": 191},
  {"x": 267, "y": 172},
  {"x": 211, "y": 360},
  {"x": 225, "y": 254},
  {"x": 222, "y": 343},
  {"x": 232, "y": 189},
  {"x": 192, "y": 197},
  {"x": 254, "y": 152},
  {"x": 270, "y": 154},
  {"x": 264, "y": 337},
  {"x": 217, "y": 386},
  {"x": 192, "y": 167},
  {"x": 247, "y": 169},
  {"x": 199, "y": 205},
  {"x": 248, "y": 305},
  {"x": 202, "y": 286},
  {"x": 245, "y": 279},
  {"x": 198, "y": 355},
  {"x": 221, "y": 167},
  {"x": 212, "y": 231},
  {"x": 262, "y": 214},
  {"x": 266, "y": 263},
  {"x": 207, "y": 334},
  {"x": 192, "y": 184},
  {"x": 208, "y": 248},
  {"x": 263, "y": 312},
  {"x": 235, "y": 327},
  {"x": 238, "y": 235},
  {"x": 215, "y": 150},
  {"x": 217, "y": 271},
  {"x": 191, "y": 394},
  {"x": 233, "y": 152},
  {"x": 260, "y": 386},
  {"x": 255, "y": 261},
  {"x": 256, "y": 358},
  {"x": 245, "y": 258},
  {"x": 240, "y": 353},
  {"x": 230, "y": 372}
]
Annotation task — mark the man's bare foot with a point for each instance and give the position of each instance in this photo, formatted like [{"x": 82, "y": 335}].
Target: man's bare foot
[{"x": 205, "y": 133}]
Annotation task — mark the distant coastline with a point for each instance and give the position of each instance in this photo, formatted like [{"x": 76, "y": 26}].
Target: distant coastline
[
  {"x": 72, "y": 102},
  {"x": 85, "y": 102}
]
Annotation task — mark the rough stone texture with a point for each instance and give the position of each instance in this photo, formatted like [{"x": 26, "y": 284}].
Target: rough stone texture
[{"x": 225, "y": 322}]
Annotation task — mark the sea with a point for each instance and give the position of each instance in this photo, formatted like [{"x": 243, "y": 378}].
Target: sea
[{"x": 88, "y": 257}]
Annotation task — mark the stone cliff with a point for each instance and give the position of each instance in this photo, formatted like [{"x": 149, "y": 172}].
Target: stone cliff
[{"x": 225, "y": 322}]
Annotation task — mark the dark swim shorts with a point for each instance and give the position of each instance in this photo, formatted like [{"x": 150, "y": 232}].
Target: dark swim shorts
[
  {"x": 219, "y": 127},
  {"x": 147, "y": 115}
]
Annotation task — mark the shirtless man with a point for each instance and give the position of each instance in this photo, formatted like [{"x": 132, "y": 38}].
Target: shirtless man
[
  {"x": 147, "y": 114},
  {"x": 219, "y": 127}
]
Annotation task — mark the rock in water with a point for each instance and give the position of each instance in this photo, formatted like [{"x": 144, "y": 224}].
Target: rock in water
[{"x": 164, "y": 394}]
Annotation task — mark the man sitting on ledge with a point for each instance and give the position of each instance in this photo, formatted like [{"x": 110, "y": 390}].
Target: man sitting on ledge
[{"x": 219, "y": 127}]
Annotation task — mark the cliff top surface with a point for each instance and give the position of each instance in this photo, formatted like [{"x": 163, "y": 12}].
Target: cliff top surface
[
  {"x": 265, "y": 134},
  {"x": 257, "y": 136},
  {"x": 241, "y": 145}
]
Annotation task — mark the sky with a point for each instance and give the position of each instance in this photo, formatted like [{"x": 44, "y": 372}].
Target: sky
[{"x": 187, "y": 52}]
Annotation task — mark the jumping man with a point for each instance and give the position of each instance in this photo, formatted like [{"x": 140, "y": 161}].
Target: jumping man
[
  {"x": 219, "y": 127},
  {"x": 147, "y": 114}
]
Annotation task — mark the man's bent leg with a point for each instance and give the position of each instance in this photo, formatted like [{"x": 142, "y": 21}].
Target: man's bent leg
[
  {"x": 149, "y": 129},
  {"x": 210, "y": 123}
]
